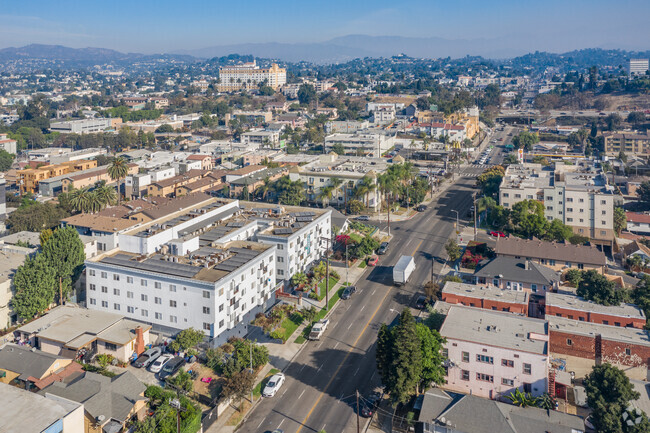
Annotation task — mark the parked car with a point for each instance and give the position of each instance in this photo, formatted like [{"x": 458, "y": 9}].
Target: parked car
[
  {"x": 318, "y": 329},
  {"x": 158, "y": 364},
  {"x": 382, "y": 248},
  {"x": 171, "y": 367},
  {"x": 363, "y": 218},
  {"x": 369, "y": 405},
  {"x": 421, "y": 208},
  {"x": 348, "y": 291},
  {"x": 373, "y": 260},
  {"x": 421, "y": 302},
  {"x": 497, "y": 234},
  {"x": 273, "y": 385},
  {"x": 147, "y": 357}
]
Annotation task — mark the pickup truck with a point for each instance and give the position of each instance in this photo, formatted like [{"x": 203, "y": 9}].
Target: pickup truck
[{"x": 318, "y": 329}]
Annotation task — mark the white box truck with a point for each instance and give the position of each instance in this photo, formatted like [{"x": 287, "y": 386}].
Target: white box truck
[{"x": 403, "y": 270}]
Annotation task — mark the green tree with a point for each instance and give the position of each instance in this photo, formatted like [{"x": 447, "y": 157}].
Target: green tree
[
  {"x": 522, "y": 399},
  {"x": 355, "y": 207},
  {"x": 613, "y": 121},
  {"x": 644, "y": 191},
  {"x": 528, "y": 216},
  {"x": 595, "y": 287},
  {"x": 239, "y": 385},
  {"x": 558, "y": 231},
  {"x": 636, "y": 117},
  {"x": 384, "y": 355},
  {"x": 243, "y": 351},
  {"x": 620, "y": 220},
  {"x": 289, "y": 192},
  {"x": 453, "y": 250},
  {"x": 187, "y": 339},
  {"x": 35, "y": 285},
  {"x": 525, "y": 140},
  {"x": 432, "y": 358},
  {"x": 609, "y": 393},
  {"x": 299, "y": 278},
  {"x": 117, "y": 170},
  {"x": 64, "y": 253},
  {"x": 6, "y": 159},
  {"x": 45, "y": 236},
  {"x": 573, "y": 276},
  {"x": 338, "y": 148},
  {"x": 546, "y": 401},
  {"x": 406, "y": 365},
  {"x": 306, "y": 94},
  {"x": 36, "y": 217},
  {"x": 182, "y": 382},
  {"x": 490, "y": 180}
]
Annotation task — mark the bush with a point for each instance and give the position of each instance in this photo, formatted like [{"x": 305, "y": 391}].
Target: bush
[
  {"x": 104, "y": 359},
  {"x": 186, "y": 339}
]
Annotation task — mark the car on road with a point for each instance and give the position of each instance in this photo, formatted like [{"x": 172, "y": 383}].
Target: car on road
[
  {"x": 373, "y": 260},
  {"x": 147, "y": 357},
  {"x": 382, "y": 248},
  {"x": 421, "y": 302},
  {"x": 497, "y": 234},
  {"x": 368, "y": 406},
  {"x": 318, "y": 329},
  {"x": 348, "y": 292},
  {"x": 421, "y": 208},
  {"x": 158, "y": 364},
  {"x": 363, "y": 218},
  {"x": 277, "y": 430},
  {"x": 171, "y": 367},
  {"x": 273, "y": 385}
]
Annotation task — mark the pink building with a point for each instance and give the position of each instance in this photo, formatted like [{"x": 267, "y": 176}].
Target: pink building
[{"x": 491, "y": 353}]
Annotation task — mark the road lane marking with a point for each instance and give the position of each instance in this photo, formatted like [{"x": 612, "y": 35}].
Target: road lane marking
[
  {"x": 373, "y": 292},
  {"x": 321, "y": 366},
  {"x": 323, "y": 428},
  {"x": 303, "y": 391},
  {"x": 355, "y": 373},
  {"x": 362, "y": 308},
  {"x": 301, "y": 368},
  {"x": 279, "y": 425},
  {"x": 336, "y": 345},
  {"x": 351, "y": 323},
  {"x": 320, "y": 397},
  {"x": 260, "y": 424}
]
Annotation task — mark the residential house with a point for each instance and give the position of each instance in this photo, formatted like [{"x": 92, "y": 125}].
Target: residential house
[
  {"x": 205, "y": 160},
  {"x": 638, "y": 223},
  {"x": 28, "y": 179},
  {"x": 516, "y": 274},
  {"x": 636, "y": 248}
]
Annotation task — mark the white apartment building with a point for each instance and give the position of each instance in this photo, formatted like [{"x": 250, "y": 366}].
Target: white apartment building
[
  {"x": 136, "y": 184},
  {"x": 7, "y": 144},
  {"x": 491, "y": 353},
  {"x": 577, "y": 195},
  {"x": 373, "y": 145},
  {"x": 346, "y": 126},
  {"x": 637, "y": 67},
  {"x": 84, "y": 126},
  {"x": 249, "y": 75},
  {"x": 261, "y": 138}
]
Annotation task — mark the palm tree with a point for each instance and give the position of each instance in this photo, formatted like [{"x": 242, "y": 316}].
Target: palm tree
[
  {"x": 80, "y": 199},
  {"x": 325, "y": 194},
  {"x": 546, "y": 401},
  {"x": 264, "y": 188},
  {"x": 105, "y": 194},
  {"x": 522, "y": 399},
  {"x": 336, "y": 184},
  {"x": 366, "y": 186},
  {"x": 118, "y": 169},
  {"x": 635, "y": 262}
]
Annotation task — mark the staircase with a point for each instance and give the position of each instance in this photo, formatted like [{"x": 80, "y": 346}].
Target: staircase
[{"x": 551, "y": 382}]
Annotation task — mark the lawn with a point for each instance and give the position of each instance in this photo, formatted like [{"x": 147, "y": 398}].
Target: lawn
[
  {"x": 288, "y": 327},
  {"x": 321, "y": 287},
  {"x": 257, "y": 391},
  {"x": 301, "y": 338},
  {"x": 363, "y": 264},
  {"x": 321, "y": 314}
]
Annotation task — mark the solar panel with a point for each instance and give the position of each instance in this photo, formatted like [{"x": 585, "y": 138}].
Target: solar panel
[
  {"x": 298, "y": 225},
  {"x": 282, "y": 231},
  {"x": 304, "y": 219}
]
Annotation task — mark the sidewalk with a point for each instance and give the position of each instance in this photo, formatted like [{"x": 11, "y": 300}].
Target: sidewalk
[{"x": 281, "y": 355}]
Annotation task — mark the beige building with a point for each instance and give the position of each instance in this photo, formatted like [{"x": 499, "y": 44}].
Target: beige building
[
  {"x": 577, "y": 195},
  {"x": 631, "y": 143},
  {"x": 9, "y": 262},
  {"x": 249, "y": 75}
]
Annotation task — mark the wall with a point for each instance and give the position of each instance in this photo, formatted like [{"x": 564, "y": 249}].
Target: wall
[
  {"x": 5, "y": 297},
  {"x": 488, "y": 304},
  {"x": 50, "y": 346},
  {"x": 587, "y": 316}
]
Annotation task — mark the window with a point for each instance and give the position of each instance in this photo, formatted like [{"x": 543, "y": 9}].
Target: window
[
  {"x": 116, "y": 277},
  {"x": 206, "y": 294},
  {"x": 533, "y": 287},
  {"x": 92, "y": 301},
  {"x": 103, "y": 275},
  {"x": 505, "y": 194},
  {"x": 206, "y": 326},
  {"x": 603, "y": 202},
  {"x": 581, "y": 266},
  {"x": 628, "y": 351},
  {"x": 617, "y": 323},
  {"x": 280, "y": 246},
  {"x": 104, "y": 289},
  {"x": 143, "y": 283},
  {"x": 221, "y": 324},
  {"x": 581, "y": 200},
  {"x": 116, "y": 292},
  {"x": 157, "y": 285},
  {"x": 508, "y": 363},
  {"x": 551, "y": 262},
  {"x": 527, "y": 368},
  {"x": 144, "y": 313},
  {"x": 144, "y": 298},
  {"x": 173, "y": 319},
  {"x": 508, "y": 382},
  {"x": 484, "y": 377},
  {"x": 485, "y": 358},
  {"x": 157, "y": 300},
  {"x": 172, "y": 304},
  {"x": 569, "y": 342},
  {"x": 220, "y": 308},
  {"x": 604, "y": 212},
  {"x": 91, "y": 272},
  {"x": 206, "y": 310},
  {"x": 159, "y": 316},
  {"x": 116, "y": 307},
  {"x": 105, "y": 304},
  {"x": 110, "y": 346},
  {"x": 464, "y": 375},
  {"x": 605, "y": 322},
  {"x": 280, "y": 259},
  {"x": 93, "y": 287},
  {"x": 517, "y": 195},
  {"x": 172, "y": 287},
  {"x": 445, "y": 353},
  {"x": 129, "y": 295},
  {"x": 569, "y": 200},
  {"x": 129, "y": 309},
  {"x": 129, "y": 280}
]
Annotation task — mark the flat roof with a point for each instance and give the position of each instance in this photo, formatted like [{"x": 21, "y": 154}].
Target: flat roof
[
  {"x": 99, "y": 223},
  {"x": 9, "y": 262},
  {"x": 486, "y": 292},
  {"x": 615, "y": 333},
  {"x": 496, "y": 329},
  {"x": 573, "y": 302}
]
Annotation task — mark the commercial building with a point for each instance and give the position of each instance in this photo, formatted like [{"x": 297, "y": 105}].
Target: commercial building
[
  {"x": 577, "y": 195},
  {"x": 85, "y": 126},
  {"x": 575, "y": 308},
  {"x": 254, "y": 118},
  {"x": 249, "y": 75},
  {"x": 637, "y": 67},
  {"x": 7, "y": 144},
  {"x": 361, "y": 144},
  {"x": 631, "y": 143},
  {"x": 490, "y": 354},
  {"x": 486, "y": 297}
]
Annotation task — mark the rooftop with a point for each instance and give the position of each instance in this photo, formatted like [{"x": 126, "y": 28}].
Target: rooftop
[
  {"x": 26, "y": 361},
  {"x": 482, "y": 292},
  {"x": 608, "y": 332},
  {"x": 577, "y": 303},
  {"x": 561, "y": 252},
  {"x": 519, "y": 270},
  {"x": 9, "y": 262},
  {"x": 496, "y": 329},
  {"x": 100, "y": 223}
]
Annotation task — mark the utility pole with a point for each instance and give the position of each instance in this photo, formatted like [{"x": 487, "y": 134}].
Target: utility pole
[
  {"x": 60, "y": 292},
  {"x": 347, "y": 279},
  {"x": 176, "y": 404},
  {"x": 475, "y": 214},
  {"x": 250, "y": 345},
  {"x": 358, "y": 428},
  {"x": 327, "y": 272},
  {"x": 457, "y": 225}
]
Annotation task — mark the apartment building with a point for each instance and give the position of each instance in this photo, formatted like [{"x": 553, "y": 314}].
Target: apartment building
[
  {"x": 349, "y": 171},
  {"x": 346, "y": 126},
  {"x": 261, "y": 138},
  {"x": 490, "y": 354},
  {"x": 574, "y": 307},
  {"x": 7, "y": 144},
  {"x": 631, "y": 143},
  {"x": 578, "y": 195},
  {"x": 81, "y": 179},
  {"x": 637, "y": 67},
  {"x": 85, "y": 126},
  {"x": 136, "y": 185},
  {"x": 361, "y": 144},
  {"x": 29, "y": 179},
  {"x": 249, "y": 75},
  {"x": 486, "y": 297},
  {"x": 250, "y": 117}
]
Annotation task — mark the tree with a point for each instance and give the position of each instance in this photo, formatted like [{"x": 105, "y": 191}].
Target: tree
[
  {"x": 298, "y": 279},
  {"x": 431, "y": 348},
  {"x": 355, "y": 206},
  {"x": 609, "y": 393},
  {"x": 613, "y": 121},
  {"x": 573, "y": 276},
  {"x": 306, "y": 94},
  {"x": 620, "y": 220},
  {"x": 117, "y": 170},
  {"x": 182, "y": 382},
  {"x": 64, "y": 253},
  {"x": 45, "y": 236},
  {"x": 558, "y": 231},
  {"x": 35, "y": 285},
  {"x": 36, "y": 217},
  {"x": 384, "y": 355},
  {"x": 644, "y": 191},
  {"x": 641, "y": 296},
  {"x": 338, "y": 148},
  {"x": 453, "y": 250},
  {"x": 186, "y": 339},
  {"x": 636, "y": 117},
  {"x": 525, "y": 140},
  {"x": 595, "y": 287},
  {"x": 289, "y": 192},
  {"x": 490, "y": 180},
  {"x": 239, "y": 385},
  {"x": 406, "y": 365},
  {"x": 546, "y": 401},
  {"x": 431, "y": 290},
  {"x": 522, "y": 399},
  {"x": 243, "y": 352},
  {"x": 6, "y": 159}
]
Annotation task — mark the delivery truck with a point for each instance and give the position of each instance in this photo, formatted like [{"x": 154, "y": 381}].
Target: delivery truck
[{"x": 403, "y": 270}]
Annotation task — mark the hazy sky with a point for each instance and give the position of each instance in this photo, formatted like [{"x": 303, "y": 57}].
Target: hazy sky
[{"x": 166, "y": 26}]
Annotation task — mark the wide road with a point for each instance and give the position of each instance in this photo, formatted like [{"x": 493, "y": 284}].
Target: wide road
[{"x": 321, "y": 381}]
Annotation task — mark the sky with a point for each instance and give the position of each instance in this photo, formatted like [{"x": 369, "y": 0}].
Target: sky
[{"x": 164, "y": 26}]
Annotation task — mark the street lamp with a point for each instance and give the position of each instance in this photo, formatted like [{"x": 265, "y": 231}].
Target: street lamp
[{"x": 327, "y": 271}]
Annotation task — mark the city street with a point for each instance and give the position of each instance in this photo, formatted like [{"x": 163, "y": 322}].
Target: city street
[{"x": 324, "y": 376}]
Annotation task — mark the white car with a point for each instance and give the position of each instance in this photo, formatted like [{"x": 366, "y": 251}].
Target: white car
[
  {"x": 273, "y": 385},
  {"x": 160, "y": 362}
]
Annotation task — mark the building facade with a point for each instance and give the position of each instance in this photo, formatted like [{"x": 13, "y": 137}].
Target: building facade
[
  {"x": 249, "y": 75},
  {"x": 631, "y": 143}
]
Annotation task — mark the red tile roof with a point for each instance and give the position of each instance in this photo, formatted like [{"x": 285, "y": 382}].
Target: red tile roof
[{"x": 637, "y": 217}]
